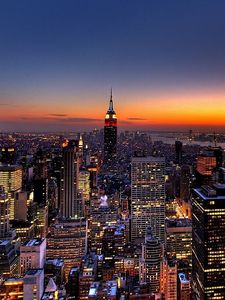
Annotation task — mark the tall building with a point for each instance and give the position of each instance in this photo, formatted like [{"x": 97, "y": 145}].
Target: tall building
[
  {"x": 67, "y": 240},
  {"x": 184, "y": 287},
  {"x": 11, "y": 180},
  {"x": 32, "y": 255},
  {"x": 110, "y": 134},
  {"x": 208, "y": 160},
  {"x": 150, "y": 265},
  {"x": 4, "y": 213},
  {"x": 8, "y": 259},
  {"x": 69, "y": 177},
  {"x": 169, "y": 279},
  {"x": 148, "y": 196},
  {"x": 208, "y": 251}
]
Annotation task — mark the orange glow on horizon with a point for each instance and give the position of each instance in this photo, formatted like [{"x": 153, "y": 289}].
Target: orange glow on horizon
[{"x": 197, "y": 109}]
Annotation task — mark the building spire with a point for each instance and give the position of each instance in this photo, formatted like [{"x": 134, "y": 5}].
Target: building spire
[{"x": 111, "y": 102}]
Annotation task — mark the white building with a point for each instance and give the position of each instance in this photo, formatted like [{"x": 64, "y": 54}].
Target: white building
[
  {"x": 32, "y": 255},
  {"x": 33, "y": 284}
]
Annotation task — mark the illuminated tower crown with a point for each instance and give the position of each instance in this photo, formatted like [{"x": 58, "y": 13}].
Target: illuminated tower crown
[{"x": 110, "y": 118}]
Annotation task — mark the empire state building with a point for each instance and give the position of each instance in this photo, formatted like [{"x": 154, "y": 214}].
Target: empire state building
[{"x": 110, "y": 133}]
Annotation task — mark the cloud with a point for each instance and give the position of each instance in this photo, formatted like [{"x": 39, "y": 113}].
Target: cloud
[
  {"x": 57, "y": 115},
  {"x": 136, "y": 119},
  {"x": 80, "y": 120}
]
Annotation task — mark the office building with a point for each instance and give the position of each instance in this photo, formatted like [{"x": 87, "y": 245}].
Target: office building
[
  {"x": 150, "y": 262},
  {"x": 179, "y": 239},
  {"x": 4, "y": 213},
  {"x": 7, "y": 155},
  {"x": 32, "y": 255},
  {"x": 208, "y": 251},
  {"x": 147, "y": 196},
  {"x": 67, "y": 240},
  {"x": 12, "y": 288},
  {"x": 184, "y": 287},
  {"x": 169, "y": 279},
  {"x": 9, "y": 260},
  {"x": 11, "y": 180},
  {"x": 33, "y": 284},
  {"x": 69, "y": 176}
]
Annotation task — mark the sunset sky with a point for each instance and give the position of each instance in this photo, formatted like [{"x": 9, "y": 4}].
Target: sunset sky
[{"x": 164, "y": 59}]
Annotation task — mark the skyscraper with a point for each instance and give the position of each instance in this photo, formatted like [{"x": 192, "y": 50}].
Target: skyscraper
[
  {"x": 110, "y": 133},
  {"x": 4, "y": 213},
  {"x": 148, "y": 196},
  {"x": 69, "y": 180},
  {"x": 11, "y": 180},
  {"x": 208, "y": 251}
]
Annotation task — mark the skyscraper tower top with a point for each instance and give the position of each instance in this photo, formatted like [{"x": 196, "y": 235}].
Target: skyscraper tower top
[{"x": 110, "y": 115}]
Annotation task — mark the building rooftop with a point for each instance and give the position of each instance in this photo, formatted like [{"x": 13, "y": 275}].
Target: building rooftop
[
  {"x": 33, "y": 272},
  {"x": 182, "y": 222},
  {"x": 208, "y": 193},
  {"x": 33, "y": 242},
  {"x": 58, "y": 262},
  {"x": 182, "y": 278}
]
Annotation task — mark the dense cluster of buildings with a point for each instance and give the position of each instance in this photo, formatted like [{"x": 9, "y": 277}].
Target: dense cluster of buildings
[{"x": 103, "y": 215}]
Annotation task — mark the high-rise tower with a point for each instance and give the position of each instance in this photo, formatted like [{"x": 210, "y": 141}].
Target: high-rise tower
[
  {"x": 69, "y": 174},
  {"x": 208, "y": 252},
  {"x": 110, "y": 133},
  {"x": 148, "y": 196}
]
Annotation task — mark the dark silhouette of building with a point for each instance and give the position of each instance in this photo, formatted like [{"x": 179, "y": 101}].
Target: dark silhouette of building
[
  {"x": 110, "y": 133},
  {"x": 178, "y": 150},
  {"x": 208, "y": 252},
  {"x": 69, "y": 173},
  {"x": 7, "y": 155}
]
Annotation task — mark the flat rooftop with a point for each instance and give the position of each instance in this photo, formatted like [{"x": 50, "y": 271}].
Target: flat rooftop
[{"x": 33, "y": 242}]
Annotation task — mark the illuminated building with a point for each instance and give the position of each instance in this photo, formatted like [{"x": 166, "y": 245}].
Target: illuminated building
[
  {"x": 32, "y": 255},
  {"x": 33, "y": 284},
  {"x": 24, "y": 229},
  {"x": 110, "y": 134},
  {"x": 208, "y": 251},
  {"x": 147, "y": 196},
  {"x": 21, "y": 205},
  {"x": 100, "y": 217},
  {"x": 185, "y": 184},
  {"x": 12, "y": 289},
  {"x": 179, "y": 239},
  {"x": 67, "y": 240},
  {"x": 209, "y": 159},
  {"x": 150, "y": 263},
  {"x": 87, "y": 275},
  {"x": 4, "y": 213},
  {"x": 42, "y": 221},
  {"x": 69, "y": 177},
  {"x": 8, "y": 259},
  {"x": 11, "y": 180},
  {"x": 184, "y": 287},
  {"x": 7, "y": 155},
  {"x": 103, "y": 290},
  {"x": 169, "y": 279},
  {"x": 84, "y": 188}
]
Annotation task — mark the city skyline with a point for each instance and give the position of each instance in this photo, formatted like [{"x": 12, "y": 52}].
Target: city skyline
[{"x": 164, "y": 61}]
